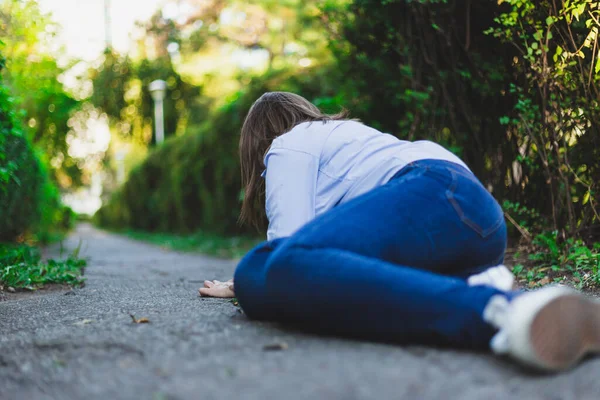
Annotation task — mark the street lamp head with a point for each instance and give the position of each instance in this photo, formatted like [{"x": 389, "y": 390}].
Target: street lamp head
[{"x": 158, "y": 89}]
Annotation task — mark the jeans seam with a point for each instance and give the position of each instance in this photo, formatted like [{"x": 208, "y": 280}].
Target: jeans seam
[{"x": 467, "y": 221}]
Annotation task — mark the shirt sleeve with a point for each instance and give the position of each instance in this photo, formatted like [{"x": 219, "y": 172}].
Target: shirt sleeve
[{"x": 291, "y": 180}]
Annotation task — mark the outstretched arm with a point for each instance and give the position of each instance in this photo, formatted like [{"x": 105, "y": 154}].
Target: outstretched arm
[
  {"x": 217, "y": 289},
  {"x": 291, "y": 178}
]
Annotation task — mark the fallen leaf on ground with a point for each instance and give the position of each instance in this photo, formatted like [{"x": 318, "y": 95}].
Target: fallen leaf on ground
[
  {"x": 142, "y": 320},
  {"x": 83, "y": 322},
  {"x": 544, "y": 281},
  {"x": 275, "y": 346}
]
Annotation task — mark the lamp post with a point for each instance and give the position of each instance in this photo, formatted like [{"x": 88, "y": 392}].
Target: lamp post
[
  {"x": 158, "y": 89},
  {"x": 120, "y": 158}
]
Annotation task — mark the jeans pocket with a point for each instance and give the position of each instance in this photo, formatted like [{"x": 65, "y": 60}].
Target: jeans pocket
[{"x": 475, "y": 206}]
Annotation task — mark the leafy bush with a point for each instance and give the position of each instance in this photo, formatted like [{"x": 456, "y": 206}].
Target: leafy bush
[
  {"x": 425, "y": 70},
  {"x": 28, "y": 199},
  {"x": 553, "y": 259},
  {"x": 524, "y": 221},
  {"x": 20, "y": 199},
  {"x": 33, "y": 74},
  {"x": 190, "y": 181},
  {"x": 120, "y": 91},
  {"x": 512, "y": 86},
  {"x": 21, "y": 178},
  {"x": 55, "y": 217},
  {"x": 193, "y": 181},
  {"x": 556, "y": 117}
]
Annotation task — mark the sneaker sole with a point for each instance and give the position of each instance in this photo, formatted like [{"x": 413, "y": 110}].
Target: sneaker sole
[{"x": 565, "y": 330}]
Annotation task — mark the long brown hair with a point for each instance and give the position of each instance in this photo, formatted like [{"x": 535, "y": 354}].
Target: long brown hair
[{"x": 272, "y": 115}]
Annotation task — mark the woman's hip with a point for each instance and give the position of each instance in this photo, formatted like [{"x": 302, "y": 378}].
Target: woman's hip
[{"x": 432, "y": 215}]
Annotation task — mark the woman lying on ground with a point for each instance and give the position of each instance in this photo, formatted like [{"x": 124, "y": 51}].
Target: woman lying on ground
[{"x": 385, "y": 239}]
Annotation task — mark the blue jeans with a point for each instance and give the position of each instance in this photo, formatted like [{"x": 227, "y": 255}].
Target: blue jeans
[{"x": 388, "y": 265}]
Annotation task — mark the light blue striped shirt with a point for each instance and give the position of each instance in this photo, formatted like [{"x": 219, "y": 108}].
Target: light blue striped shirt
[{"x": 318, "y": 165}]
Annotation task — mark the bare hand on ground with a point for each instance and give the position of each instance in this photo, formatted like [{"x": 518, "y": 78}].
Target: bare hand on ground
[{"x": 217, "y": 289}]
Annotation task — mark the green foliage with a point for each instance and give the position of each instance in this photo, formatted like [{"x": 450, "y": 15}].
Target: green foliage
[
  {"x": 55, "y": 218},
  {"x": 121, "y": 91},
  {"x": 425, "y": 70},
  {"x": 20, "y": 199},
  {"x": 200, "y": 241},
  {"x": 28, "y": 200},
  {"x": 179, "y": 187},
  {"x": 8, "y": 130},
  {"x": 33, "y": 76},
  {"x": 555, "y": 118},
  {"x": 20, "y": 174},
  {"x": 554, "y": 259},
  {"x": 526, "y": 218},
  {"x": 512, "y": 88},
  {"x": 21, "y": 267},
  {"x": 193, "y": 182},
  {"x": 286, "y": 30},
  {"x": 110, "y": 81}
]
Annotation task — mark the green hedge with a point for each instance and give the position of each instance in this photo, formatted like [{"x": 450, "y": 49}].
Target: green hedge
[
  {"x": 21, "y": 178},
  {"x": 193, "y": 182},
  {"x": 180, "y": 187},
  {"x": 29, "y": 201},
  {"x": 21, "y": 192},
  {"x": 190, "y": 182}
]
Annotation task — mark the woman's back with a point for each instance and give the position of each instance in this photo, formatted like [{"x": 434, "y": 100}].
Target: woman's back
[{"x": 318, "y": 165}]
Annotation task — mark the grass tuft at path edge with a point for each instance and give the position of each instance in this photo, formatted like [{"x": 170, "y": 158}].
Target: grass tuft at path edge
[
  {"x": 201, "y": 242},
  {"x": 21, "y": 267}
]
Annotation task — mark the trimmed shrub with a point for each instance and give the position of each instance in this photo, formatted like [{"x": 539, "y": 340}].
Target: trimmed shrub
[
  {"x": 190, "y": 182},
  {"x": 193, "y": 181}
]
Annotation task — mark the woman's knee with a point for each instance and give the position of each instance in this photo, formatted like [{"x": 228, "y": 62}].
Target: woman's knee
[
  {"x": 258, "y": 257},
  {"x": 250, "y": 281},
  {"x": 288, "y": 266}
]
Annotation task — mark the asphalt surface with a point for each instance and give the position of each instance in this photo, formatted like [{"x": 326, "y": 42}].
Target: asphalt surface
[{"x": 82, "y": 344}]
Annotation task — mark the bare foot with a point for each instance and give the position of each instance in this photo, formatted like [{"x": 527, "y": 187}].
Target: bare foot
[{"x": 217, "y": 289}]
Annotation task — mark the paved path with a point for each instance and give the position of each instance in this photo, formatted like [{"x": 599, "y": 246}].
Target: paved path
[{"x": 83, "y": 345}]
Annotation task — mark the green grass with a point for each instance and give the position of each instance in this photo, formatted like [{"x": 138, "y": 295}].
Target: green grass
[
  {"x": 551, "y": 260},
  {"x": 201, "y": 242},
  {"x": 21, "y": 266}
]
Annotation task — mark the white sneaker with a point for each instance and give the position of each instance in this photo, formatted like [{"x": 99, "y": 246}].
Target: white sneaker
[
  {"x": 552, "y": 328},
  {"x": 499, "y": 277}
]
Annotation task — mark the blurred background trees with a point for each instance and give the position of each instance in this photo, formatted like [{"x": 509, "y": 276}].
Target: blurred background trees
[
  {"x": 510, "y": 86},
  {"x": 34, "y": 118},
  {"x": 33, "y": 75}
]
